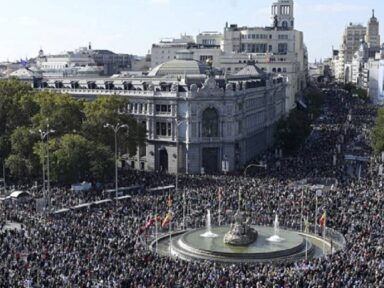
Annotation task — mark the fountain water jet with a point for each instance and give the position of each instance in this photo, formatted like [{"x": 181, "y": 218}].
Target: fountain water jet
[
  {"x": 276, "y": 229},
  {"x": 208, "y": 233}
]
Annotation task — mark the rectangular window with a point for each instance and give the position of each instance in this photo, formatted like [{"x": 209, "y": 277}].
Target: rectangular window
[
  {"x": 283, "y": 48},
  {"x": 169, "y": 129},
  {"x": 260, "y": 48},
  {"x": 204, "y": 58},
  {"x": 157, "y": 108},
  {"x": 163, "y": 108},
  {"x": 163, "y": 128}
]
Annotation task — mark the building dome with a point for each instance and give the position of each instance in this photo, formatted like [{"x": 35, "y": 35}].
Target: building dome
[{"x": 183, "y": 64}]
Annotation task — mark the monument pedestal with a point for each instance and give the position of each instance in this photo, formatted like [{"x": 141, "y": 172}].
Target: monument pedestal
[{"x": 240, "y": 233}]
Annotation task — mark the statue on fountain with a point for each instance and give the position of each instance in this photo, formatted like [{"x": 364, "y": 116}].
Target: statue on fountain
[{"x": 240, "y": 233}]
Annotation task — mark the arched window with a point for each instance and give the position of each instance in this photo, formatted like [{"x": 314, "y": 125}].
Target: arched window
[
  {"x": 284, "y": 24},
  {"x": 274, "y": 70},
  {"x": 210, "y": 123},
  {"x": 278, "y": 70}
]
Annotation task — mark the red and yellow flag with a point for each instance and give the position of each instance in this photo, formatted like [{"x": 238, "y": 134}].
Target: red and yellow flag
[
  {"x": 167, "y": 219},
  {"x": 152, "y": 221},
  {"x": 323, "y": 219}
]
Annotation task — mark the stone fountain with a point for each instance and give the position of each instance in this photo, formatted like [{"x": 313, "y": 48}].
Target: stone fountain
[
  {"x": 275, "y": 237},
  {"x": 240, "y": 233},
  {"x": 208, "y": 233},
  {"x": 238, "y": 243}
]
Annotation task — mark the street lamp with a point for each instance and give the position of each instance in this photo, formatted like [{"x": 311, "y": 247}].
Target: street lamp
[
  {"x": 245, "y": 175},
  {"x": 3, "y": 179},
  {"x": 116, "y": 129},
  {"x": 44, "y": 134},
  {"x": 178, "y": 123}
]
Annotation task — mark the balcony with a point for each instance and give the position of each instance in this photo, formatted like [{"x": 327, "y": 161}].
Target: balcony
[{"x": 106, "y": 92}]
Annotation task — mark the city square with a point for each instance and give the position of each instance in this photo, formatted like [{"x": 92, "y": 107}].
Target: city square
[{"x": 225, "y": 161}]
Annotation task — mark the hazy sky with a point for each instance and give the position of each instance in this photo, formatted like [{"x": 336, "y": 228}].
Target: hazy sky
[{"x": 131, "y": 26}]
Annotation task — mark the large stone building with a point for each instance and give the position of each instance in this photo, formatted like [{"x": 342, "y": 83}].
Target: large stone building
[
  {"x": 215, "y": 120},
  {"x": 372, "y": 37},
  {"x": 206, "y": 47},
  {"x": 375, "y": 75},
  {"x": 359, "y": 44},
  {"x": 84, "y": 61},
  {"x": 278, "y": 48},
  {"x": 353, "y": 34}
]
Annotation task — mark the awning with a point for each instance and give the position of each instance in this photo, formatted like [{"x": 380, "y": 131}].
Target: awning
[
  {"x": 102, "y": 201},
  {"x": 124, "y": 197},
  {"x": 64, "y": 210},
  {"x": 85, "y": 205},
  {"x": 18, "y": 194},
  {"x": 158, "y": 189}
]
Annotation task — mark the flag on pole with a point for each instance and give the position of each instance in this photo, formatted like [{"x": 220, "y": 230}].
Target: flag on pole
[
  {"x": 306, "y": 225},
  {"x": 169, "y": 201},
  {"x": 167, "y": 219},
  {"x": 220, "y": 193},
  {"x": 323, "y": 219},
  {"x": 152, "y": 221}
]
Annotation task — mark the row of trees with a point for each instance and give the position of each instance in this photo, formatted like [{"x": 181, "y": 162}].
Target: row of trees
[
  {"x": 80, "y": 148},
  {"x": 378, "y": 132},
  {"x": 355, "y": 90},
  {"x": 292, "y": 131}
]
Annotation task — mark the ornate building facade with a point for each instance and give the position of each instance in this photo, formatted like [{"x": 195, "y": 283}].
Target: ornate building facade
[{"x": 195, "y": 120}]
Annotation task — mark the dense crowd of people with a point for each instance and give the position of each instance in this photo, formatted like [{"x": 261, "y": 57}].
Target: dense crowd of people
[{"x": 103, "y": 247}]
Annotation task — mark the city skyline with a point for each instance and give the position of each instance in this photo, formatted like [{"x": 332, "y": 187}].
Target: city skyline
[{"x": 64, "y": 26}]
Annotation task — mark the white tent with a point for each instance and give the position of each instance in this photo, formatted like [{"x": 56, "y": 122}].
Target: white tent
[{"x": 19, "y": 194}]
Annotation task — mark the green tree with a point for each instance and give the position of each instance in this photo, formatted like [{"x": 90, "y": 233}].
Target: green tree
[
  {"x": 12, "y": 113},
  {"x": 62, "y": 112},
  {"x": 101, "y": 162},
  {"x": 292, "y": 132},
  {"x": 315, "y": 99},
  {"x": 21, "y": 162},
  {"x": 18, "y": 166},
  {"x": 22, "y": 141},
  {"x": 69, "y": 158},
  {"x": 378, "y": 132},
  {"x": 107, "y": 109}
]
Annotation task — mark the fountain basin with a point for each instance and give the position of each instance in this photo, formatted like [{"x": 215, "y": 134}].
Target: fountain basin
[
  {"x": 208, "y": 234},
  {"x": 191, "y": 246}
]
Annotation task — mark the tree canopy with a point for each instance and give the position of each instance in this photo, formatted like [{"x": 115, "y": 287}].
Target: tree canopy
[
  {"x": 378, "y": 132},
  {"x": 80, "y": 147},
  {"x": 292, "y": 131}
]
